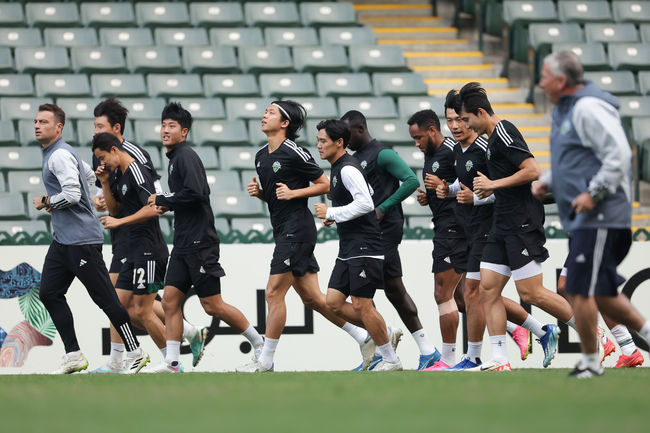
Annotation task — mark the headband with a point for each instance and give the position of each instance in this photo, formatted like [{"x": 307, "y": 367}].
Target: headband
[{"x": 283, "y": 111}]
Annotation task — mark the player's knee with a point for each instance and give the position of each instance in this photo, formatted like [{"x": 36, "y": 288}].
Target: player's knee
[
  {"x": 333, "y": 304},
  {"x": 273, "y": 296},
  {"x": 441, "y": 296},
  {"x": 528, "y": 296}
]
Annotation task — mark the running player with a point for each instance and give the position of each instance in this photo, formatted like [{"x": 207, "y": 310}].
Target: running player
[{"x": 358, "y": 271}]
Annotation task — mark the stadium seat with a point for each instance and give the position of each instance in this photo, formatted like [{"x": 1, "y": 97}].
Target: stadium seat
[
  {"x": 153, "y": 59},
  {"x": 88, "y": 60},
  {"x": 410, "y": 154},
  {"x": 29, "y": 227},
  {"x": 107, "y": 14},
  {"x": 219, "y": 14},
  {"x": 584, "y": 12},
  {"x": 144, "y": 108},
  {"x": 591, "y": 54},
  {"x": 42, "y": 59},
  {"x": 260, "y": 59},
  {"x": 542, "y": 36},
  {"x": 204, "y": 108},
  {"x": 156, "y": 159},
  {"x": 181, "y": 37},
  {"x": 347, "y": 36},
  {"x": 319, "y": 14},
  {"x": 174, "y": 85},
  {"x": 271, "y": 14},
  {"x": 398, "y": 84},
  {"x": 78, "y": 108},
  {"x": 291, "y": 37},
  {"x": 237, "y": 158},
  {"x": 26, "y": 133},
  {"x": 235, "y": 204},
  {"x": 222, "y": 226},
  {"x": 518, "y": 15},
  {"x": 236, "y": 36},
  {"x": 21, "y": 107},
  {"x": 412, "y": 208},
  {"x": 346, "y": 84},
  {"x": 6, "y": 60},
  {"x": 644, "y": 82},
  {"x": 222, "y": 180},
  {"x": 11, "y": 15},
  {"x": 245, "y": 225},
  {"x": 631, "y": 11},
  {"x": 16, "y": 85},
  {"x": 120, "y": 85},
  {"x": 7, "y": 138},
  {"x": 86, "y": 131},
  {"x": 25, "y": 181},
  {"x": 377, "y": 58},
  {"x": 20, "y": 158},
  {"x": 246, "y": 108},
  {"x": 287, "y": 85},
  {"x": 208, "y": 156},
  {"x": 246, "y": 177},
  {"x": 20, "y": 37},
  {"x": 230, "y": 85},
  {"x": 424, "y": 222},
  {"x": 326, "y": 58},
  {"x": 616, "y": 82},
  {"x": 12, "y": 205},
  {"x": 163, "y": 14},
  {"x": 319, "y": 107},
  {"x": 147, "y": 132},
  {"x": 641, "y": 130},
  {"x": 634, "y": 106},
  {"x": 257, "y": 138},
  {"x": 126, "y": 37},
  {"x": 393, "y": 132},
  {"x": 630, "y": 56},
  {"x": 52, "y": 14},
  {"x": 70, "y": 37},
  {"x": 373, "y": 107},
  {"x": 209, "y": 59},
  {"x": 219, "y": 133},
  {"x": 61, "y": 85},
  {"x": 611, "y": 32}
]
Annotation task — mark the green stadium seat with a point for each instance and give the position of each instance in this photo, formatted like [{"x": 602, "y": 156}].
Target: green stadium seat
[
  {"x": 377, "y": 58},
  {"x": 634, "y": 106},
  {"x": 222, "y": 226},
  {"x": 20, "y": 37},
  {"x": 630, "y": 56},
  {"x": 52, "y": 14},
  {"x": 29, "y": 227},
  {"x": 644, "y": 30},
  {"x": 236, "y": 36},
  {"x": 230, "y": 85},
  {"x": 260, "y": 59},
  {"x": 204, "y": 108},
  {"x": 237, "y": 158},
  {"x": 174, "y": 85},
  {"x": 20, "y": 158},
  {"x": 42, "y": 59},
  {"x": 219, "y": 14},
  {"x": 611, "y": 32},
  {"x": 631, "y": 11},
  {"x": 412, "y": 208},
  {"x": 147, "y": 132},
  {"x": 107, "y": 14},
  {"x": 291, "y": 37},
  {"x": 518, "y": 15},
  {"x": 61, "y": 85},
  {"x": 125, "y": 37},
  {"x": 219, "y": 133},
  {"x": 21, "y": 107},
  {"x": 235, "y": 204},
  {"x": 12, "y": 205},
  {"x": 373, "y": 107},
  {"x": 156, "y": 159},
  {"x": 246, "y": 177},
  {"x": 11, "y": 15},
  {"x": 25, "y": 181},
  {"x": 104, "y": 85},
  {"x": 257, "y": 137},
  {"x": 346, "y": 84},
  {"x": 246, "y": 108},
  {"x": 615, "y": 82},
  {"x": 398, "y": 84},
  {"x": 181, "y": 37},
  {"x": 319, "y": 107},
  {"x": 326, "y": 58},
  {"x": 245, "y": 225},
  {"x": 85, "y": 154},
  {"x": 26, "y": 133},
  {"x": 347, "y": 36},
  {"x": 78, "y": 108},
  {"x": 583, "y": 11},
  {"x": 7, "y": 138},
  {"x": 222, "y": 180},
  {"x": 162, "y": 14},
  {"x": 153, "y": 59},
  {"x": 321, "y": 14},
  {"x": 393, "y": 132},
  {"x": 70, "y": 37},
  {"x": 421, "y": 222},
  {"x": 542, "y": 36},
  {"x": 97, "y": 60},
  {"x": 144, "y": 108},
  {"x": 287, "y": 85},
  {"x": 271, "y": 14},
  {"x": 16, "y": 85},
  {"x": 209, "y": 59},
  {"x": 6, "y": 60},
  {"x": 591, "y": 54},
  {"x": 644, "y": 82},
  {"x": 641, "y": 130}
]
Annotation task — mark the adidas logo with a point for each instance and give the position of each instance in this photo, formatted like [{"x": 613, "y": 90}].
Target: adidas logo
[
  {"x": 82, "y": 262},
  {"x": 201, "y": 270},
  {"x": 123, "y": 260},
  {"x": 287, "y": 262},
  {"x": 524, "y": 252},
  {"x": 363, "y": 274},
  {"x": 258, "y": 163},
  {"x": 140, "y": 286},
  {"x": 448, "y": 260},
  {"x": 581, "y": 259}
]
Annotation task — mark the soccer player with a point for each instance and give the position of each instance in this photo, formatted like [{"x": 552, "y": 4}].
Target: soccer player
[
  {"x": 194, "y": 260},
  {"x": 358, "y": 271},
  {"x": 143, "y": 272},
  {"x": 288, "y": 176},
  {"x": 515, "y": 245},
  {"x": 392, "y": 181},
  {"x": 76, "y": 250},
  {"x": 590, "y": 178}
]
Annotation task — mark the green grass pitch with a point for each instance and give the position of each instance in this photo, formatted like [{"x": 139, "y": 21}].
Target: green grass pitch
[{"x": 330, "y": 402}]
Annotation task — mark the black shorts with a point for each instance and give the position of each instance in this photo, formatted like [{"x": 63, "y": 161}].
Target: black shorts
[
  {"x": 449, "y": 253},
  {"x": 142, "y": 277},
  {"x": 475, "y": 253},
  {"x": 297, "y": 257},
  {"x": 199, "y": 268},
  {"x": 359, "y": 277},
  {"x": 515, "y": 250},
  {"x": 594, "y": 255},
  {"x": 116, "y": 264},
  {"x": 392, "y": 262}
]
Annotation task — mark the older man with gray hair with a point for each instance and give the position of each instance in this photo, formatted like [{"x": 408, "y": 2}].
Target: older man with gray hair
[{"x": 590, "y": 178}]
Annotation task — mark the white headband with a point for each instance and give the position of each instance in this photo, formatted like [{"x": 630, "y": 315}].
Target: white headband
[{"x": 283, "y": 111}]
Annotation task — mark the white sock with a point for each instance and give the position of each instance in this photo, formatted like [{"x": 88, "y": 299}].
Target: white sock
[
  {"x": 268, "y": 352},
  {"x": 188, "y": 330},
  {"x": 533, "y": 326},
  {"x": 645, "y": 331},
  {"x": 135, "y": 352},
  {"x": 449, "y": 354},
  {"x": 474, "y": 350},
  {"x": 386, "y": 351},
  {"x": 377, "y": 352},
  {"x": 624, "y": 339},
  {"x": 572, "y": 322},
  {"x": 164, "y": 352},
  {"x": 422, "y": 340},
  {"x": 510, "y": 327},
  {"x": 591, "y": 360},
  {"x": 253, "y": 337},
  {"x": 173, "y": 352},
  {"x": 117, "y": 350},
  {"x": 499, "y": 351},
  {"x": 74, "y": 355},
  {"x": 359, "y": 334}
]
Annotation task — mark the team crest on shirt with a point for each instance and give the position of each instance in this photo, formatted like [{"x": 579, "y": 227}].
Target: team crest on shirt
[
  {"x": 488, "y": 153},
  {"x": 565, "y": 127},
  {"x": 276, "y": 166},
  {"x": 124, "y": 188},
  {"x": 364, "y": 164},
  {"x": 171, "y": 168},
  {"x": 334, "y": 181},
  {"x": 469, "y": 164},
  {"x": 435, "y": 166}
]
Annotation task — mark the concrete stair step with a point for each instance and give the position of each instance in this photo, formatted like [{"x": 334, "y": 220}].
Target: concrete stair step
[
  {"x": 416, "y": 32},
  {"x": 486, "y": 70},
  {"x": 423, "y": 58},
  {"x": 526, "y": 119},
  {"x": 535, "y": 131},
  {"x": 375, "y": 9},
  {"x": 445, "y": 84},
  {"x": 403, "y": 21},
  {"x": 433, "y": 44}
]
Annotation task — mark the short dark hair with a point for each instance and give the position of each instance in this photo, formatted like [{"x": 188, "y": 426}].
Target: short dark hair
[
  {"x": 297, "y": 115},
  {"x": 354, "y": 117},
  {"x": 175, "y": 111},
  {"x": 424, "y": 119},
  {"x": 452, "y": 101},
  {"x": 473, "y": 97},
  {"x": 335, "y": 130},
  {"x": 114, "y": 111},
  {"x": 59, "y": 114},
  {"x": 105, "y": 141}
]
